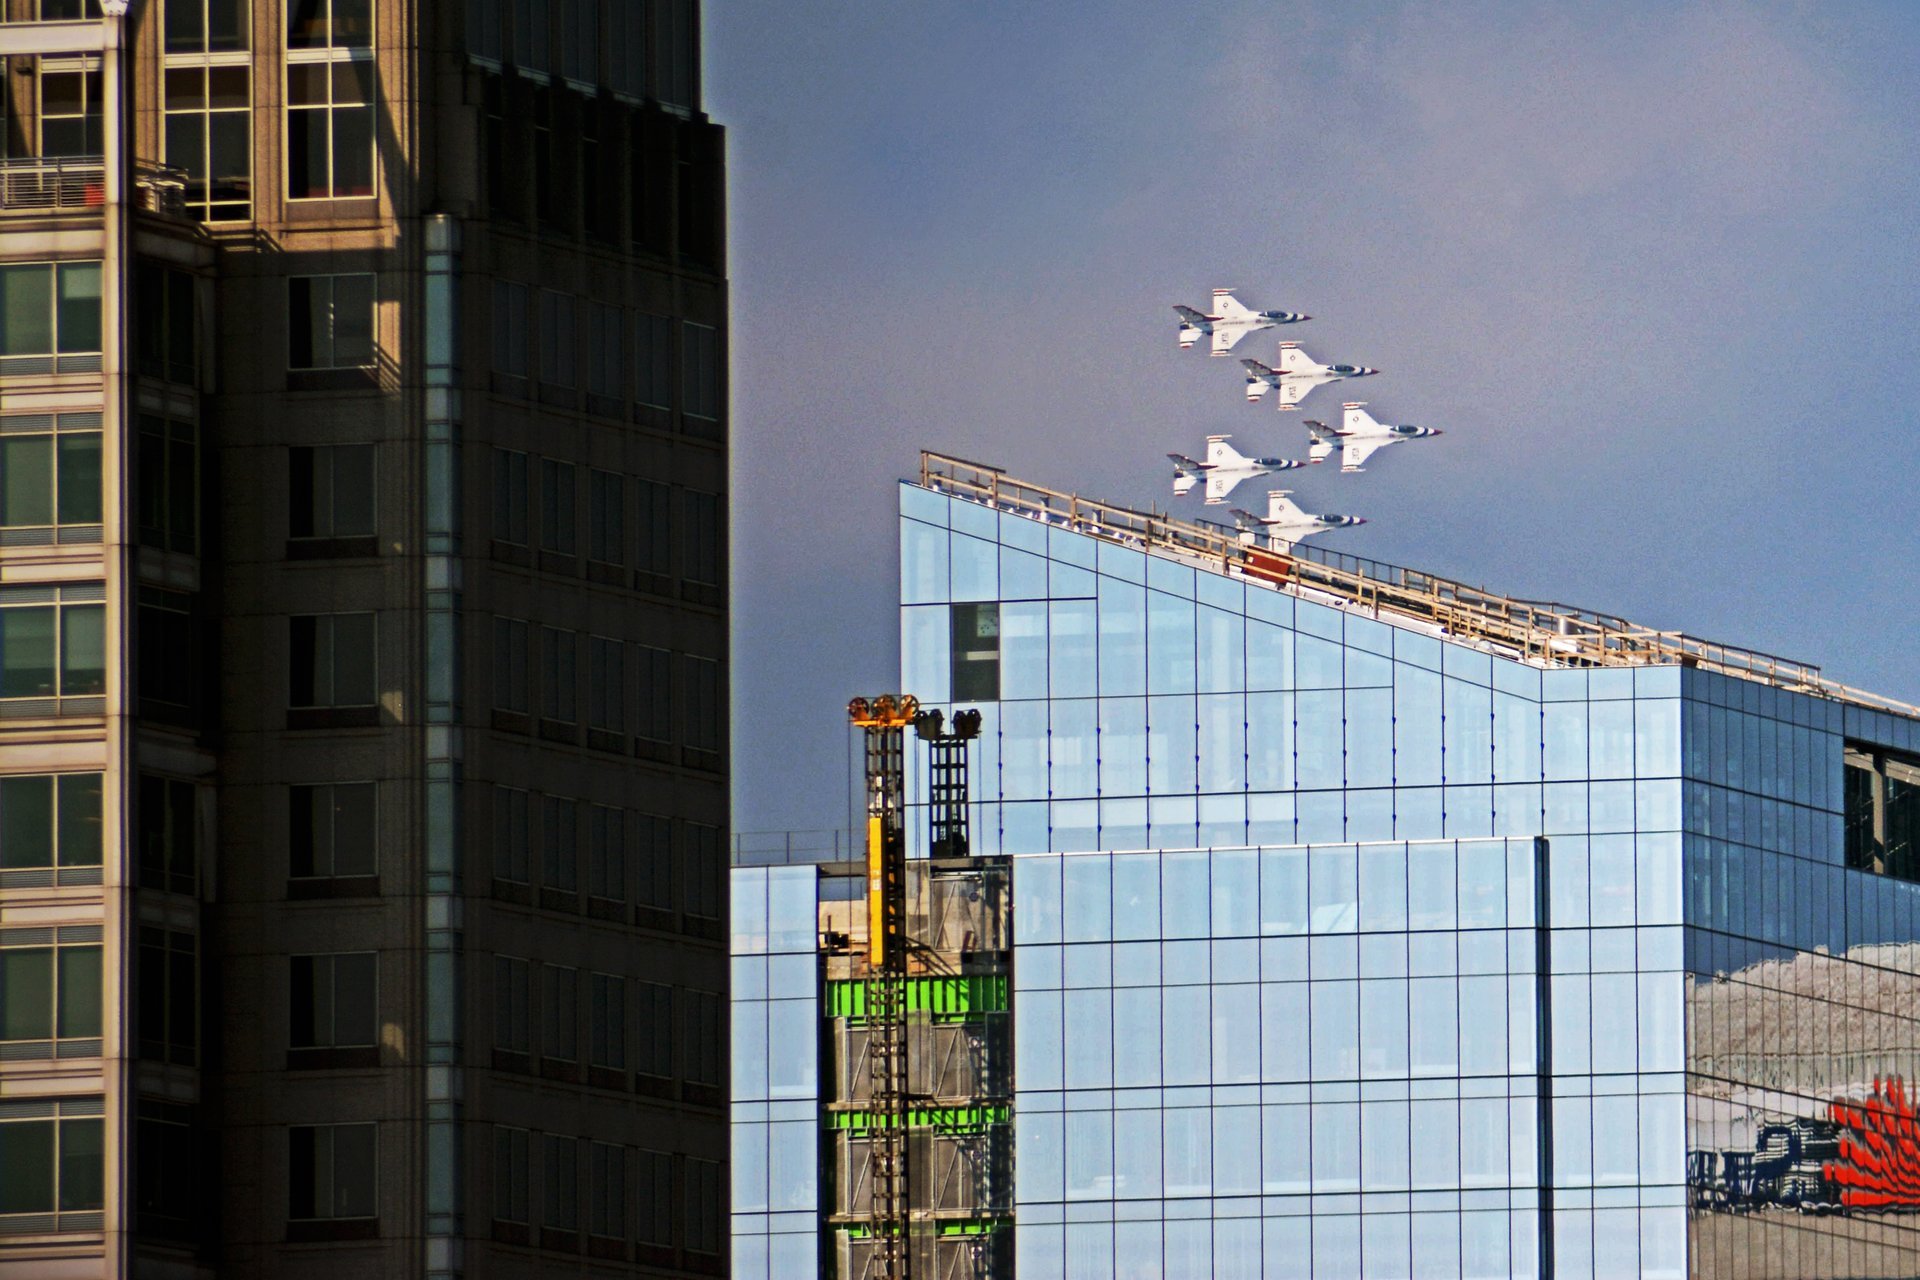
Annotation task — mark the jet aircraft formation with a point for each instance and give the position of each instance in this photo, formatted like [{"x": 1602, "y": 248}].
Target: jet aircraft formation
[{"x": 1292, "y": 377}]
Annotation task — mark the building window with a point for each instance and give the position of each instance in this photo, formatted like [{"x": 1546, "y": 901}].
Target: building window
[
  {"x": 332, "y": 663},
  {"x": 655, "y": 337},
  {"x": 334, "y": 834},
  {"x": 49, "y": 822},
  {"x": 558, "y": 521},
  {"x": 1882, "y": 826},
  {"x": 168, "y": 1195},
  {"x": 705, "y": 708},
  {"x": 50, "y": 992},
  {"x": 704, "y": 554},
  {"x": 607, "y": 1018},
  {"x": 167, "y": 830},
  {"x": 509, "y": 1174},
  {"x": 166, "y": 332},
  {"x": 167, "y": 473},
  {"x": 557, "y": 359},
  {"x": 653, "y": 867},
  {"x": 653, "y": 1193},
  {"x": 510, "y": 665},
  {"x": 330, "y": 322},
  {"x": 166, "y": 981},
  {"x": 654, "y": 515},
  {"x": 207, "y": 26},
  {"x": 167, "y": 659},
  {"x": 607, "y": 853},
  {"x": 703, "y": 1206},
  {"x": 700, "y": 375},
  {"x": 70, "y": 110},
  {"x": 674, "y": 53},
  {"x": 654, "y": 708},
  {"x": 560, "y": 844},
  {"x": 330, "y": 145},
  {"x": 580, "y": 43},
  {"x": 532, "y": 36},
  {"x": 627, "y": 27},
  {"x": 559, "y": 675},
  {"x": 50, "y": 317},
  {"x": 49, "y": 478},
  {"x": 510, "y": 835},
  {"x": 976, "y": 652},
  {"x": 704, "y": 1059},
  {"x": 560, "y": 1016},
  {"x": 606, "y": 371},
  {"x": 656, "y": 1036},
  {"x": 331, "y": 1172},
  {"x": 334, "y": 1001},
  {"x": 607, "y": 1183},
  {"x": 606, "y": 517},
  {"x": 510, "y": 328},
  {"x": 209, "y": 133},
  {"x": 512, "y": 1000},
  {"x": 606, "y": 685},
  {"x": 54, "y": 1157},
  {"x": 510, "y": 496},
  {"x": 53, "y": 642},
  {"x": 706, "y": 865},
  {"x": 561, "y": 1184},
  {"x": 330, "y": 491}
]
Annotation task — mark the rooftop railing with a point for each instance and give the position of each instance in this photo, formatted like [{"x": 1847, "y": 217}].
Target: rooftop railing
[
  {"x": 58, "y": 184},
  {"x": 1541, "y": 632}
]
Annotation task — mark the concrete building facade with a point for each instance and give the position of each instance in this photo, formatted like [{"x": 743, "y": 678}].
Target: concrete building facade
[{"x": 363, "y": 762}]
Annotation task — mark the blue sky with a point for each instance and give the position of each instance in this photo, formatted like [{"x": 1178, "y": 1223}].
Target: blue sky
[{"x": 1654, "y": 269}]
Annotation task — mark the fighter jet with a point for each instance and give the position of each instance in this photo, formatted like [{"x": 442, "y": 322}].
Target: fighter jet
[
  {"x": 1229, "y": 322},
  {"x": 1285, "y": 523},
  {"x": 1223, "y": 470},
  {"x": 1359, "y": 437},
  {"x": 1297, "y": 375}
]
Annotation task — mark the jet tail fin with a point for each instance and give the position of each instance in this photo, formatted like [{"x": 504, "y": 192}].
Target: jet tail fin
[
  {"x": 1222, "y": 454},
  {"x": 1294, "y": 360},
  {"x": 1320, "y": 447},
  {"x": 1225, "y": 304}
]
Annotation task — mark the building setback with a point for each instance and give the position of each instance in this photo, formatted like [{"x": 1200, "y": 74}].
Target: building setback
[
  {"x": 363, "y": 641},
  {"x": 1361, "y": 923}
]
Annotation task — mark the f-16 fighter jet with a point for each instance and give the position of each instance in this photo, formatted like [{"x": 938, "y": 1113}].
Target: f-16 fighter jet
[
  {"x": 1297, "y": 375},
  {"x": 1285, "y": 523},
  {"x": 1359, "y": 437},
  {"x": 1223, "y": 470},
  {"x": 1229, "y": 322}
]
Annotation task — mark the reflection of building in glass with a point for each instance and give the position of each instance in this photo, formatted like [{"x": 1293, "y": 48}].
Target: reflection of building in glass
[{"x": 1363, "y": 923}]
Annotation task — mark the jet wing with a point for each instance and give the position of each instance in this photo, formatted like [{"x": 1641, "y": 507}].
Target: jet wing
[
  {"x": 1355, "y": 450},
  {"x": 1293, "y": 391},
  {"x": 1219, "y": 486},
  {"x": 1225, "y": 339}
]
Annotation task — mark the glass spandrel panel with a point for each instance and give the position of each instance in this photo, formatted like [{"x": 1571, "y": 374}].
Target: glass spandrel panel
[
  {"x": 1319, "y": 738},
  {"x": 1222, "y": 747},
  {"x": 1284, "y": 903},
  {"x": 1136, "y": 1029},
  {"x": 1123, "y": 638},
  {"x": 1187, "y": 1154},
  {"x": 1283, "y": 1015},
  {"x": 1023, "y": 750},
  {"x": 1468, "y": 733},
  {"x": 1334, "y": 1030},
  {"x": 923, "y": 563},
  {"x": 1334, "y": 890},
  {"x": 1383, "y": 1028},
  {"x": 1434, "y": 1027},
  {"x": 1185, "y": 1036},
  {"x": 1317, "y": 663},
  {"x": 1236, "y": 1156},
  {"x": 1369, "y": 737},
  {"x": 1235, "y": 906},
  {"x": 1172, "y": 745},
  {"x": 1336, "y": 1156},
  {"x": 1072, "y": 658},
  {"x": 1023, "y": 576},
  {"x": 1089, "y": 1039},
  {"x": 1023, "y": 650},
  {"x": 1086, "y": 886},
  {"x": 1136, "y": 1155},
  {"x": 1383, "y": 887},
  {"x": 1220, "y": 654},
  {"x": 1656, "y": 738},
  {"x": 1074, "y": 747},
  {"x": 1516, "y": 739},
  {"x": 1610, "y": 739},
  {"x": 1431, "y": 891},
  {"x": 1270, "y": 746},
  {"x": 1123, "y": 747},
  {"x": 1564, "y": 731},
  {"x": 1170, "y": 644},
  {"x": 973, "y": 568},
  {"x": 1269, "y": 656},
  {"x": 1236, "y": 1034},
  {"x": 1416, "y": 727}
]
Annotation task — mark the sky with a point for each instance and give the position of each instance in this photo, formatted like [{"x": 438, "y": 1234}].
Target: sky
[{"x": 1653, "y": 268}]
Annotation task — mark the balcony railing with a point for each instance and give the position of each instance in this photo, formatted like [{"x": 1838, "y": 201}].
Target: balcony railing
[{"x": 54, "y": 184}]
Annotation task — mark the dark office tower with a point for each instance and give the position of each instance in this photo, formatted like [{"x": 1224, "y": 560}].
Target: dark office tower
[{"x": 363, "y": 759}]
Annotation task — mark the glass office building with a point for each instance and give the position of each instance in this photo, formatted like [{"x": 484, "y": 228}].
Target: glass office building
[{"x": 1366, "y": 925}]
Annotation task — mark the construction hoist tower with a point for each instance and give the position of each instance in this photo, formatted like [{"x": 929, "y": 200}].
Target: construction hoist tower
[{"x": 918, "y": 1118}]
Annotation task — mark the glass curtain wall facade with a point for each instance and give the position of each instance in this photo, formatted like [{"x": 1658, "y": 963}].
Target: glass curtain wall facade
[{"x": 1344, "y": 947}]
